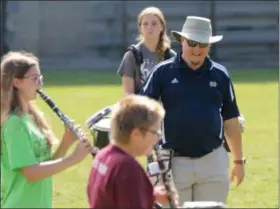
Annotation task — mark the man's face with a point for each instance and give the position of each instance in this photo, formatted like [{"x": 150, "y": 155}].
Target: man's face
[{"x": 194, "y": 52}]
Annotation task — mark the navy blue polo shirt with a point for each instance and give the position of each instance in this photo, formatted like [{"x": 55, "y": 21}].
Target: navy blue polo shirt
[{"x": 196, "y": 104}]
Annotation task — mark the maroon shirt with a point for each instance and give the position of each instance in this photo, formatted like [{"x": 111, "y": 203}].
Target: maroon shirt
[{"x": 118, "y": 181}]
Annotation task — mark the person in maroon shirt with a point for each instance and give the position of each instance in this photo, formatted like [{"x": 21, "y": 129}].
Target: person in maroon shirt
[{"x": 116, "y": 178}]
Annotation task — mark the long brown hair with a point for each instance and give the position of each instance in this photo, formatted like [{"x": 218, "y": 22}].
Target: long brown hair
[
  {"x": 164, "y": 41},
  {"x": 16, "y": 65}
]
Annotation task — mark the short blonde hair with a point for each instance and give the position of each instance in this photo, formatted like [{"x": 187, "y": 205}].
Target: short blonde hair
[{"x": 134, "y": 111}]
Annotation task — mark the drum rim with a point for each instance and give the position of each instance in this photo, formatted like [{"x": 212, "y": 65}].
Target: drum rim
[{"x": 98, "y": 128}]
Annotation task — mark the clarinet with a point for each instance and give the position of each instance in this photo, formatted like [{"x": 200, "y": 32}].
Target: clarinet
[
  {"x": 64, "y": 118},
  {"x": 167, "y": 186}
]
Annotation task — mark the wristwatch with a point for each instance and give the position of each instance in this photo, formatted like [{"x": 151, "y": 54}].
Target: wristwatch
[{"x": 240, "y": 162}]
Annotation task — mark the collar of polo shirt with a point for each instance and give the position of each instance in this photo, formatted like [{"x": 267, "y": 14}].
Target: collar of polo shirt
[{"x": 206, "y": 66}]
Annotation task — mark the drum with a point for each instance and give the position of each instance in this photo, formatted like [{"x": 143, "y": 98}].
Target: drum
[{"x": 100, "y": 132}]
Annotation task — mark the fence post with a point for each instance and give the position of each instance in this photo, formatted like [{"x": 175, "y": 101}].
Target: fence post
[
  {"x": 124, "y": 28},
  {"x": 214, "y": 27},
  {"x": 3, "y": 40}
]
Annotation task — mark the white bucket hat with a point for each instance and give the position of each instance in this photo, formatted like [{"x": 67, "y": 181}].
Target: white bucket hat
[{"x": 198, "y": 29}]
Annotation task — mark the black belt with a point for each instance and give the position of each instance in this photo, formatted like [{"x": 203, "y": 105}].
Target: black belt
[{"x": 179, "y": 154}]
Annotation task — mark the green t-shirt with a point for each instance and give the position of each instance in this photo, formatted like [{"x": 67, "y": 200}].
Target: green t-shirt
[{"x": 23, "y": 144}]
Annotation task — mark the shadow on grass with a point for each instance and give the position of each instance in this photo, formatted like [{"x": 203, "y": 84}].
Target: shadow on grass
[{"x": 72, "y": 78}]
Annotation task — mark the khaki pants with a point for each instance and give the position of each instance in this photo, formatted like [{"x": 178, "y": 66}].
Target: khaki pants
[{"x": 202, "y": 179}]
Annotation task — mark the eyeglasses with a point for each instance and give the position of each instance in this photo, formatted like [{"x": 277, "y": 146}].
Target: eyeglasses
[
  {"x": 157, "y": 133},
  {"x": 38, "y": 79},
  {"x": 193, "y": 44}
]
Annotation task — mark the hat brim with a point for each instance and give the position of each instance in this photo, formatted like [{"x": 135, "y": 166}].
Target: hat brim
[{"x": 177, "y": 35}]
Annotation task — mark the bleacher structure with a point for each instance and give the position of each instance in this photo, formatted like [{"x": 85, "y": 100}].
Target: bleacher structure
[{"x": 95, "y": 34}]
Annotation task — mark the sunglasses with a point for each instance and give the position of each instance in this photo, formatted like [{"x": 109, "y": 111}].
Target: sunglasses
[{"x": 193, "y": 44}]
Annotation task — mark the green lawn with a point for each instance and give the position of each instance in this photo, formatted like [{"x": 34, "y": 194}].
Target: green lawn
[{"x": 79, "y": 94}]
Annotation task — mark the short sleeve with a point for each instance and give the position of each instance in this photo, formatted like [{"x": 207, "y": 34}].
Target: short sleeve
[
  {"x": 229, "y": 108},
  {"x": 128, "y": 65},
  {"x": 17, "y": 143},
  {"x": 132, "y": 188}
]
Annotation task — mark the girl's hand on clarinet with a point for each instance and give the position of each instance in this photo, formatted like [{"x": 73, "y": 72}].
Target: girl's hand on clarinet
[
  {"x": 82, "y": 149},
  {"x": 69, "y": 138}
]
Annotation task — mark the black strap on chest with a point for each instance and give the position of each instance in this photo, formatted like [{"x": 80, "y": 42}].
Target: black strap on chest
[{"x": 139, "y": 56}]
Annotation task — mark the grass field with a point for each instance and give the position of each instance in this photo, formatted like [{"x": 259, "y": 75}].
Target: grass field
[{"x": 79, "y": 94}]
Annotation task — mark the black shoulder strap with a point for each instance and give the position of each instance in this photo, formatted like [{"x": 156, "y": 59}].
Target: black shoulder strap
[
  {"x": 139, "y": 57},
  {"x": 137, "y": 54},
  {"x": 167, "y": 54}
]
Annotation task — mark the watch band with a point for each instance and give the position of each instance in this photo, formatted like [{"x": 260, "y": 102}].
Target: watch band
[{"x": 242, "y": 161}]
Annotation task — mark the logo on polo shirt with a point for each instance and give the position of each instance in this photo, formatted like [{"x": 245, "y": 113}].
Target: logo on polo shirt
[
  {"x": 213, "y": 84},
  {"x": 175, "y": 80}
]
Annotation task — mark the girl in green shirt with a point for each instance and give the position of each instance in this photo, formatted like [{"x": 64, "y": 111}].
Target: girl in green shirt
[{"x": 27, "y": 163}]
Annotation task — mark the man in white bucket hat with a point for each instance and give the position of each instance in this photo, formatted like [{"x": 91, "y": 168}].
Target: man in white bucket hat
[
  {"x": 202, "y": 33},
  {"x": 197, "y": 30},
  {"x": 201, "y": 107}
]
